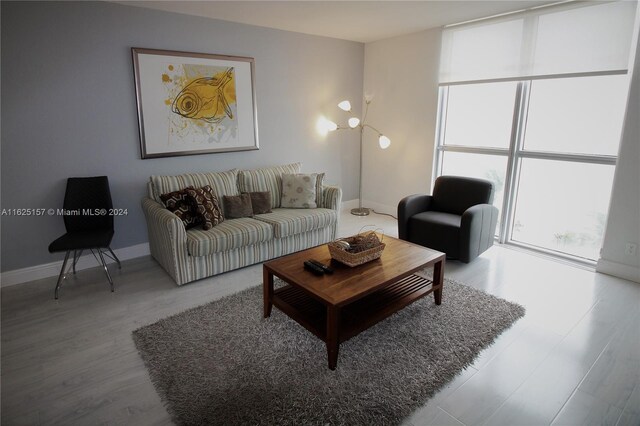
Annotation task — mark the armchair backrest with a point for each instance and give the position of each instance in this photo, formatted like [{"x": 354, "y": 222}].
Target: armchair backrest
[{"x": 455, "y": 194}]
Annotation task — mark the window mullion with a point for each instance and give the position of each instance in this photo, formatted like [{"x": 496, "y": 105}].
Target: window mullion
[
  {"x": 475, "y": 150},
  {"x": 578, "y": 158},
  {"x": 515, "y": 147},
  {"x": 441, "y": 120}
]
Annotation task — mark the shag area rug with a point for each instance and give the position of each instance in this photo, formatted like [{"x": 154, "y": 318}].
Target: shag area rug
[{"x": 224, "y": 364}]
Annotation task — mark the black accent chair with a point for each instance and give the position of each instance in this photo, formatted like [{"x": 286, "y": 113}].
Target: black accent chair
[
  {"x": 89, "y": 223},
  {"x": 458, "y": 219}
]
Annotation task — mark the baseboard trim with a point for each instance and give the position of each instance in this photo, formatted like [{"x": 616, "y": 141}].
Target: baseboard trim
[
  {"x": 31, "y": 273},
  {"x": 619, "y": 270}
]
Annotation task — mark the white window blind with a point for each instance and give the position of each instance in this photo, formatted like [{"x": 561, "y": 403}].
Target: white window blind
[{"x": 564, "y": 39}]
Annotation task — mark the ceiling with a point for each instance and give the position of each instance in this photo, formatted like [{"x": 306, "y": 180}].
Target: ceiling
[{"x": 362, "y": 21}]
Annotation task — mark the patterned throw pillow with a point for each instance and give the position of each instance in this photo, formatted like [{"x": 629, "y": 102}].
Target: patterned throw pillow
[
  {"x": 260, "y": 202},
  {"x": 299, "y": 191},
  {"x": 237, "y": 206},
  {"x": 206, "y": 205},
  {"x": 176, "y": 202}
]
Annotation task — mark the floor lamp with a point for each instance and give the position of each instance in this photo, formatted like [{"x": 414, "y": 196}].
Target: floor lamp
[{"x": 356, "y": 123}]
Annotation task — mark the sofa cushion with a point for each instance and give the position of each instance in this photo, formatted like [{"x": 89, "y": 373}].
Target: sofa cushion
[
  {"x": 260, "y": 202},
  {"x": 288, "y": 222},
  {"x": 206, "y": 204},
  {"x": 228, "y": 235},
  {"x": 299, "y": 191},
  {"x": 172, "y": 200},
  {"x": 222, "y": 183},
  {"x": 176, "y": 202},
  {"x": 237, "y": 206},
  {"x": 267, "y": 179}
]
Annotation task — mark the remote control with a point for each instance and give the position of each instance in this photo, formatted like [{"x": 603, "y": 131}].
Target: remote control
[
  {"x": 322, "y": 266},
  {"x": 313, "y": 268}
]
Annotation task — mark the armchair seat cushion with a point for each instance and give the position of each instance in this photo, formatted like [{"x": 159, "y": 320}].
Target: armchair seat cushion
[
  {"x": 288, "y": 222},
  {"x": 437, "y": 230},
  {"x": 228, "y": 235}
]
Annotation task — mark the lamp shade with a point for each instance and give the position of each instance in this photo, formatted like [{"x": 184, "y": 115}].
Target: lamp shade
[
  {"x": 331, "y": 126},
  {"x": 353, "y": 122},
  {"x": 345, "y": 105},
  {"x": 384, "y": 142}
]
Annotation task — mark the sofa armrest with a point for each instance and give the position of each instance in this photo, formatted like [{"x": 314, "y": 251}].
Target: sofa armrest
[
  {"x": 331, "y": 197},
  {"x": 167, "y": 239},
  {"x": 409, "y": 206},
  {"x": 477, "y": 230}
]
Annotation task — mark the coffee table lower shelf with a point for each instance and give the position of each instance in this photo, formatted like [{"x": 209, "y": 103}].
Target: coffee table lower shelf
[{"x": 354, "y": 317}]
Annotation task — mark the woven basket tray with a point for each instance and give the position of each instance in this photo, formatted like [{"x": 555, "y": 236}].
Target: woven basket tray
[{"x": 354, "y": 259}]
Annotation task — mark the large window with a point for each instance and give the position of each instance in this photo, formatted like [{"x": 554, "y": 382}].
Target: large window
[
  {"x": 548, "y": 145},
  {"x": 562, "y": 205},
  {"x": 576, "y": 115},
  {"x": 534, "y": 102}
]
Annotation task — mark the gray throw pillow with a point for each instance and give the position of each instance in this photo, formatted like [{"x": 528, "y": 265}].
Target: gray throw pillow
[
  {"x": 299, "y": 191},
  {"x": 260, "y": 201},
  {"x": 237, "y": 206}
]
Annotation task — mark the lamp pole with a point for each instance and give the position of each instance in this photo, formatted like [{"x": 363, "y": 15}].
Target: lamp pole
[
  {"x": 383, "y": 140},
  {"x": 360, "y": 211}
]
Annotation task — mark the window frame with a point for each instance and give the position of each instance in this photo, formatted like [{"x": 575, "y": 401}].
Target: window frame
[{"x": 515, "y": 153}]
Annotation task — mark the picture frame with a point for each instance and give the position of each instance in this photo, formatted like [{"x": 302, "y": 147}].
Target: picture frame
[{"x": 194, "y": 103}]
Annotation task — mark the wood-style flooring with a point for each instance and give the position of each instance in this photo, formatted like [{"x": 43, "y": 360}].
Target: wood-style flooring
[{"x": 573, "y": 359}]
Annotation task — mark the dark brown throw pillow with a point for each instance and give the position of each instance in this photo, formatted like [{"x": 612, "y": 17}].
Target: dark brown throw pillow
[
  {"x": 206, "y": 205},
  {"x": 171, "y": 200},
  {"x": 260, "y": 202},
  {"x": 177, "y": 203},
  {"x": 237, "y": 206}
]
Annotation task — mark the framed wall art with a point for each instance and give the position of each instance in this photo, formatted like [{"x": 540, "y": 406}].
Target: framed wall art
[{"x": 194, "y": 103}]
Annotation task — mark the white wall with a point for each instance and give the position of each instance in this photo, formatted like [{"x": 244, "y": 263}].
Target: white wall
[
  {"x": 623, "y": 223},
  {"x": 402, "y": 76}
]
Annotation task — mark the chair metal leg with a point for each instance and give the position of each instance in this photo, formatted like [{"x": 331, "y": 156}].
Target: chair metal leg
[
  {"x": 61, "y": 276},
  {"x": 114, "y": 257},
  {"x": 106, "y": 270},
  {"x": 76, "y": 256}
]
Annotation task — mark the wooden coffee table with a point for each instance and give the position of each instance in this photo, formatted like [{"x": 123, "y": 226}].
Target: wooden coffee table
[{"x": 337, "y": 307}]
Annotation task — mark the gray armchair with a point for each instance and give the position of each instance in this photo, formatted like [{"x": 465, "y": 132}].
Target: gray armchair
[{"x": 458, "y": 219}]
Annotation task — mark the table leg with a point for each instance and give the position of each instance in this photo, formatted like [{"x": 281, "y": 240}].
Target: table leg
[
  {"x": 333, "y": 327},
  {"x": 267, "y": 285},
  {"x": 438, "y": 280}
]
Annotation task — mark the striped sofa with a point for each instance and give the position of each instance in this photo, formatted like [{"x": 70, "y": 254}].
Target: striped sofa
[{"x": 189, "y": 255}]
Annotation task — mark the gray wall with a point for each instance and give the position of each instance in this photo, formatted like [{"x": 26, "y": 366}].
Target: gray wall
[{"x": 68, "y": 108}]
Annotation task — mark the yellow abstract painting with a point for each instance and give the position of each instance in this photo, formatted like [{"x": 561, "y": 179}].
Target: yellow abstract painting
[
  {"x": 202, "y": 99},
  {"x": 194, "y": 103}
]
